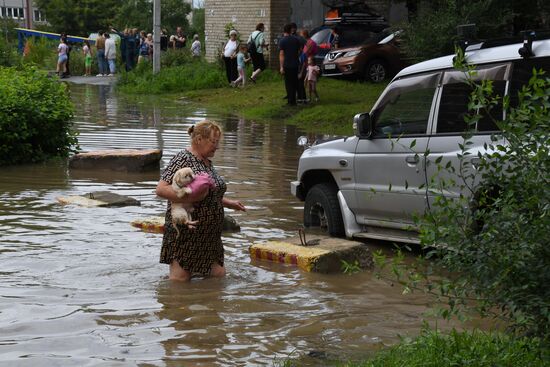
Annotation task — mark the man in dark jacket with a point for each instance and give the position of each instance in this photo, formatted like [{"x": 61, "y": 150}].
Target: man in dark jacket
[{"x": 289, "y": 52}]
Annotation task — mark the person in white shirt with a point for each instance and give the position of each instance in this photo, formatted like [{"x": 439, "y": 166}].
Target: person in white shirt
[
  {"x": 196, "y": 46},
  {"x": 110, "y": 53},
  {"x": 62, "y": 50},
  {"x": 230, "y": 56},
  {"x": 257, "y": 56}
]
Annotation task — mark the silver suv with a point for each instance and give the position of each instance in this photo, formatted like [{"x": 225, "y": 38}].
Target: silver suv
[{"x": 372, "y": 184}]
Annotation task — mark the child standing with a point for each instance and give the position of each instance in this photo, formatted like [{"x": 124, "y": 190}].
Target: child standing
[
  {"x": 87, "y": 51},
  {"x": 196, "y": 46},
  {"x": 241, "y": 65},
  {"x": 313, "y": 72}
]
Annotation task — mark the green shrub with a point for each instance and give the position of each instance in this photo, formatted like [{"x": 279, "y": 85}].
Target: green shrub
[
  {"x": 193, "y": 75},
  {"x": 177, "y": 57},
  {"x": 35, "y": 117},
  {"x": 473, "y": 349},
  {"x": 40, "y": 52},
  {"x": 8, "y": 54},
  {"x": 432, "y": 31},
  {"x": 493, "y": 239}
]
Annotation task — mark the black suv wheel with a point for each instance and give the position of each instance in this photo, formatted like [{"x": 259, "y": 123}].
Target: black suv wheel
[{"x": 322, "y": 210}]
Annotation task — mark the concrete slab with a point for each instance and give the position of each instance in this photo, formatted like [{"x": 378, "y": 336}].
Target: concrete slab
[
  {"x": 99, "y": 199},
  {"x": 326, "y": 257},
  {"x": 135, "y": 160},
  {"x": 92, "y": 80},
  {"x": 156, "y": 224}
]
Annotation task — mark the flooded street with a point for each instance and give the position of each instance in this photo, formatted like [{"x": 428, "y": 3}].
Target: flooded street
[{"x": 81, "y": 287}]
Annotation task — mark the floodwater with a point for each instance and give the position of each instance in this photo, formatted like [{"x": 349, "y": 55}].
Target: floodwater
[{"x": 81, "y": 287}]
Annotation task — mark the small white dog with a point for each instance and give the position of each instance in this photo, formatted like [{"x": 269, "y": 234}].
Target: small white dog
[{"x": 180, "y": 211}]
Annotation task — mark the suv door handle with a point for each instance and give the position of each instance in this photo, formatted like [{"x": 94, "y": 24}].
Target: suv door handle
[{"x": 412, "y": 159}]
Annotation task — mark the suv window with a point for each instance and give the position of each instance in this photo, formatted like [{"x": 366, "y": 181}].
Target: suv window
[
  {"x": 405, "y": 107},
  {"x": 455, "y": 97}
]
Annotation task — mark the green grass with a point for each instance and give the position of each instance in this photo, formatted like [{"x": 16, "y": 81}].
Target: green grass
[
  {"x": 263, "y": 101},
  {"x": 190, "y": 76},
  {"x": 456, "y": 349},
  {"x": 472, "y": 349},
  {"x": 205, "y": 85}
]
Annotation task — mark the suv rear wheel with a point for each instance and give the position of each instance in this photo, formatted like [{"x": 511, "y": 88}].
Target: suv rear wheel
[
  {"x": 376, "y": 71},
  {"x": 322, "y": 210}
]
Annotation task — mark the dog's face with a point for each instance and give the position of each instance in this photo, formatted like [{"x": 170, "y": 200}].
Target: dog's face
[{"x": 183, "y": 176}]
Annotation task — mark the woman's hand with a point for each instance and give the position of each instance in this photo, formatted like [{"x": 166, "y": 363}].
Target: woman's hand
[{"x": 233, "y": 204}]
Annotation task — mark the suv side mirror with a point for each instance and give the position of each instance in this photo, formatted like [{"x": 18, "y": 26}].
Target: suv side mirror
[{"x": 362, "y": 125}]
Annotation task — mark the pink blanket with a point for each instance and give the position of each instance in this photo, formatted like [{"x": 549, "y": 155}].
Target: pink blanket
[{"x": 201, "y": 183}]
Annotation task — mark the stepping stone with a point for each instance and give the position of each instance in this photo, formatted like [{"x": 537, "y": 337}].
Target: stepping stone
[
  {"x": 118, "y": 160},
  {"x": 99, "y": 199},
  {"x": 156, "y": 224},
  {"x": 325, "y": 257}
]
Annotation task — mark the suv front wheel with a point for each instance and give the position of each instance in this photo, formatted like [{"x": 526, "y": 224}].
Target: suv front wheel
[{"x": 322, "y": 210}]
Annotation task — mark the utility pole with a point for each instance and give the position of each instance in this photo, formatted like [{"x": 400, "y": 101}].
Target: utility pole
[
  {"x": 29, "y": 14},
  {"x": 156, "y": 36}
]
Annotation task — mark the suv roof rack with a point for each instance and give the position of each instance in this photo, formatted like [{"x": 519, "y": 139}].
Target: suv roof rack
[
  {"x": 355, "y": 18},
  {"x": 353, "y": 15},
  {"x": 495, "y": 42}
]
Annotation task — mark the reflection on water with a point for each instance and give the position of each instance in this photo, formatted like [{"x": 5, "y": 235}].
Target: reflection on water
[{"x": 80, "y": 286}]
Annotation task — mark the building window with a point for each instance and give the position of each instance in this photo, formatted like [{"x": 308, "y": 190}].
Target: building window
[
  {"x": 38, "y": 16},
  {"x": 18, "y": 13}
]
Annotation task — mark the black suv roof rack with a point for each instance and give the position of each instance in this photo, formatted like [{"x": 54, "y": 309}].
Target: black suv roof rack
[
  {"x": 356, "y": 18},
  {"x": 495, "y": 42}
]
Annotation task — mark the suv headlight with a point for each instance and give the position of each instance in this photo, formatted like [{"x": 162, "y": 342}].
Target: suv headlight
[{"x": 352, "y": 53}]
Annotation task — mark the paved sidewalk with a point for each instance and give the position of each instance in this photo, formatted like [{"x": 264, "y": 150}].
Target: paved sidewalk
[{"x": 93, "y": 80}]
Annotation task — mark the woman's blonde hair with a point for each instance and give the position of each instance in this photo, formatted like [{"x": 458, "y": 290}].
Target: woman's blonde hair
[{"x": 204, "y": 129}]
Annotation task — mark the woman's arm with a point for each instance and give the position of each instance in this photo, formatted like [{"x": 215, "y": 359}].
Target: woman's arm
[
  {"x": 165, "y": 191},
  {"x": 233, "y": 204}
]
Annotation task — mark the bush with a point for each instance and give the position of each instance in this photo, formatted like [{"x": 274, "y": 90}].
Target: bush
[
  {"x": 35, "y": 117},
  {"x": 193, "y": 75},
  {"x": 8, "y": 54},
  {"x": 474, "y": 349},
  {"x": 40, "y": 52},
  {"x": 177, "y": 57},
  {"x": 494, "y": 240},
  {"x": 432, "y": 32}
]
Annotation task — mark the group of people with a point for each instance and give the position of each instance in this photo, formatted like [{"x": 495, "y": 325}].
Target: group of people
[
  {"x": 296, "y": 57},
  {"x": 135, "y": 47},
  {"x": 297, "y": 64},
  {"x": 235, "y": 56}
]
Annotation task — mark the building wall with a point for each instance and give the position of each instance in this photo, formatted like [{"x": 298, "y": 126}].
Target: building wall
[
  {"x": 244, "y": 15},
  {"x": 307, "y": 13}
]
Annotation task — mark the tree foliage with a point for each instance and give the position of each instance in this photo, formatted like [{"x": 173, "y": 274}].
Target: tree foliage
[
  {"x": 493, "y": 240},
  {"x": 78, "y": 18},
  {"x": 35, "y": 117},
  {"x": 85, "y": 17},
  {"x": 432, "y": 25}
]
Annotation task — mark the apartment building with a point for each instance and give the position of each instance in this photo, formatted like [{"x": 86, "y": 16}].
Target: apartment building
[{"x": 23, "y": 12}]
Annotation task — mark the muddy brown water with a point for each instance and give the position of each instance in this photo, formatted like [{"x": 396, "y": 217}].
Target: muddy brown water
[{"x": 81, "y": 287}]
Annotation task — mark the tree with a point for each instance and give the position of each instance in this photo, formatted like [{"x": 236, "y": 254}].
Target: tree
[
  {"x": 139, "y": 14},
  {"x": 174, "y": 14},
  {"x": 432, "y": 25},
  {"x": 78, "y": 18}
]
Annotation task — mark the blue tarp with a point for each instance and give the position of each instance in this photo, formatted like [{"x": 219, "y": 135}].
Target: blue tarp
[{"x": 24, "y": 32}]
